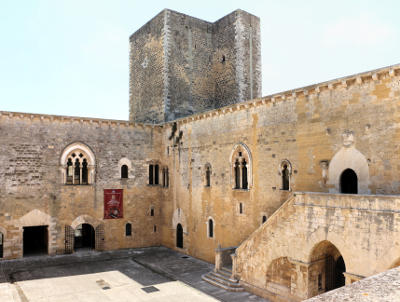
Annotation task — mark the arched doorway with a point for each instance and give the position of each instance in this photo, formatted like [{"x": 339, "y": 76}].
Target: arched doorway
[
  {"x": 348, "y": 182},
  {"x": 179, "y": 236},
  {"x": 84, "y": 237},
  {"x": 328, "y": 268}
]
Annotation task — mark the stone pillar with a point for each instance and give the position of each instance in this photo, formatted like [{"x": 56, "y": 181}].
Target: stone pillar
[
  {"x": 234, "y": 258},
  {"x": 218, "y": 258},
  {"x": 300, "y": 284}
]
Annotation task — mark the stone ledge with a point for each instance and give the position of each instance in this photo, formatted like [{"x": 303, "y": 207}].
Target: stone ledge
[{"x": 378, "y": 288}]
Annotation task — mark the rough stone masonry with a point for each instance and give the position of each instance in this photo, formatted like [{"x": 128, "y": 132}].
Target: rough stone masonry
[{"x": 205, "y": 162}]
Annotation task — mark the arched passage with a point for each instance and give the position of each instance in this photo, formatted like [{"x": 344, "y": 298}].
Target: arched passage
[
  {"x": 327, "y": 268},
  {"x": 349, "y": 182},
  {"x": 84, "y": 237},
  {"x": 179, "y": 236}
]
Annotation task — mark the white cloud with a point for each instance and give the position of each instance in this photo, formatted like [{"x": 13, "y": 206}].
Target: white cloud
[{"x": 361, "y": 30}]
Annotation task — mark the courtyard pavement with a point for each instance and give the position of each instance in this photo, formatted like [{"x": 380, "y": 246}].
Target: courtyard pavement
[{"x": 146, "y": 274}]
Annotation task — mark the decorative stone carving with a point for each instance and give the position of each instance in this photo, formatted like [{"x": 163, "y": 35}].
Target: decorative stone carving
[{"x": 348, "y": 138}]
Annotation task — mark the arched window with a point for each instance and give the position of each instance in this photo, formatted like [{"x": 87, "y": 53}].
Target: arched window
[
  {"x": 241, "y": 167},
  {"x": 124, "y": 171},
  {"x": 78, "y": 165},
  {"x": 237, "y": 174},
  {"x": 210, "y": 228},
  {"x": 349, "y": 182},
  {"x": 244, "y": 174},
  {"x": 128, "y": 229},
  {"x": 264, "y": 218},
  {"x": 285, "y": 172}
]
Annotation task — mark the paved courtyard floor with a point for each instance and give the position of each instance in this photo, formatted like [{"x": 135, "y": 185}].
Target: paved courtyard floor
[{"x": 148, "y": 274}]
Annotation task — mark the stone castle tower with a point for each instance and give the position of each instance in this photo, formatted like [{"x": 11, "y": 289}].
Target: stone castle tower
[{"x": 180, "y": 65}]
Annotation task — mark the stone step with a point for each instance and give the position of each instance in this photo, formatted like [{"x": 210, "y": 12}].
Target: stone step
[
  {"x": 222, "y": 283},
  {"x": 223, "y": 276},
  {"x": 222, "y": 279},
  {"x": 225, "y": 273},
  {"x": 227, "y": 270}
]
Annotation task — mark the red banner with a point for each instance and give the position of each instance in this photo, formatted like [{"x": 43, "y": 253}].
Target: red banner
[{"x": 113, "y": 203}]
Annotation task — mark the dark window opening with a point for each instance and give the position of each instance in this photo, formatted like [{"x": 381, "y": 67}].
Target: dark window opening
[
  {"x": 151, "y": 212},
  {"x": 179, "y": 236},
  {"x": 1, "y": 244},
  {"x": 70, "y": 171},
  {"x": 84, "y": 172},
  {"x": 165, "y": 176},
  {"x": 156, "y": 174},
  {"x": 84, "y": 237},
  {"x": 285, "y": 177},
  {"x": 155, "y": 229},
  {"x": 264, "y": 219},
  {"x": 124, "y": 171},
  {"x": 208, "y": 177},
  {"x": 240, "y": 208},
  {"x": 35, "y": 240},
  {"x": 210, "y": 228},
  {"x": 77, "y": 176},
  {"x": 349, "y": 182},
  {"x": 151, "y": 180},
  {"x": 128, "y": 229},
  {"x": 244, "y": 175},
  {"x": 237, "y": 174}
]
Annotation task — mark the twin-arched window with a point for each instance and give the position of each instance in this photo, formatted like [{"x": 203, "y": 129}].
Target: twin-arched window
[
  {"x": 78, "y": 163},
  {"x": 241, "y": 167}
]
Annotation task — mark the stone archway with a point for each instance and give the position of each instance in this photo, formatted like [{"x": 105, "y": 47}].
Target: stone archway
[
  {"x": 348, "y": 182},
  {"x": 327, "y": 268},
  {"x": 41, "y": 224},
  {"x": 348, "y": 158},
  {"x": 84, "y": 237},
  {"x": 85, "y": 221}
]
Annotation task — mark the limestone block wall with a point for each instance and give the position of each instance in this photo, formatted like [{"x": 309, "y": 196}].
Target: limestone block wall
[
  {"x": 319, "y": 130},
  {"x": 363, "y": 228},
  {"x": 148, "y": 81},
  {"x": 181, "y": 65},
  {"x": 32, "y": 188}
]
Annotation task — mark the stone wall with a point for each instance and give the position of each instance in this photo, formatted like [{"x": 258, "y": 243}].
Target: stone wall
[
  {"x": 363, "y": 229},
  {"x": 319, "y": 130},
  {"x": 32, "y": 189},
  {"x": 197, "y": 65}
]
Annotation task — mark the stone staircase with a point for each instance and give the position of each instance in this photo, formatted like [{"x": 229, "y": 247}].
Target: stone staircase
[{"x": 223, "y": 279}]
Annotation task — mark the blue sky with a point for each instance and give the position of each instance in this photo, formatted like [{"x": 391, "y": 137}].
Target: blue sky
[{"x": 71, "y": 57}]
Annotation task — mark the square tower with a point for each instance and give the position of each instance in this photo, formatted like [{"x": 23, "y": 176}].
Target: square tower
[{"x": 181, "y": 65}]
